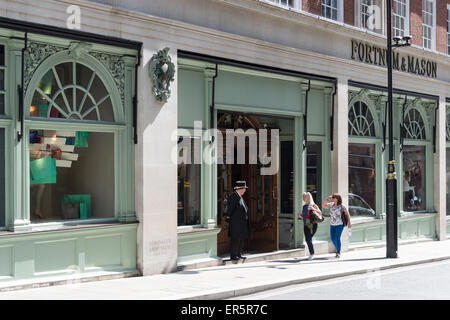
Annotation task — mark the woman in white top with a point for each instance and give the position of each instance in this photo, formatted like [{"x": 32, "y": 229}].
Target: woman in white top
[{"x": 334, "y": 203}]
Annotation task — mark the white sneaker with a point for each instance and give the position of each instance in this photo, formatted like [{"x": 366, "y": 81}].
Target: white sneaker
[{"x": 311, "y": 257}]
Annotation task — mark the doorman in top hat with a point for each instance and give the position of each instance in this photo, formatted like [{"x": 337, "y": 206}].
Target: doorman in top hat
[{"x": 237, "y": 214}]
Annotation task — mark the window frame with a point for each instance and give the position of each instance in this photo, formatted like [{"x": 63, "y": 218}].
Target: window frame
[
  {"x": 331, "y": 8},
  {"x": 448, "y": 29},
  {"x": 121, "y": 129},
  {"x": 432, "y": 26},
  {"x": 196, "y": 134},
  {"x": 359, "y": 21},
  {"x": 428, "y": 168},
  {"x": 406, "y": 18},
  {"x": 6, "y": 124},
  {"x": 362, "y": 96}
]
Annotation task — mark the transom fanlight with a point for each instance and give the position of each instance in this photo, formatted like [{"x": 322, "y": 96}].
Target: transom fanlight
[
  {"x": 71, "y": 90},
  {"x": 360, "y": 120},
  {"x": 414, "y": 125}
]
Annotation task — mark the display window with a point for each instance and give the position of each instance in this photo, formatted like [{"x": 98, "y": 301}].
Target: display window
[
  {"x": 361, "y": 177},
  {"x": 362, "y": 160},
  {"x": 414, "y": 178},
  {"x": 287, "y": 177},
  {"x": 189, "y": 181},
  {"x": 71, "y": 175},
  {"x": 414, "y": 154},
  {"x": 74, "y": 127}
]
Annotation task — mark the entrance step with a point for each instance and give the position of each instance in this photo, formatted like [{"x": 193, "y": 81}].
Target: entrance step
[{"x": 250, "y": 257}]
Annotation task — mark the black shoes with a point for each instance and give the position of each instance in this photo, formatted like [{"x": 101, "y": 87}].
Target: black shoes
[{"x": 241, "y": 257}]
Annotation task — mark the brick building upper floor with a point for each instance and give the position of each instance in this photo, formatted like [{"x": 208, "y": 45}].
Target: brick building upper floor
[{"x": 427, "y": 21}]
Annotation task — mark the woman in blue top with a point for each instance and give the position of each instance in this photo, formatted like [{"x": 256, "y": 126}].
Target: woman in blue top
[
  {"x": 307, "y": 228},
  {"x": 334, "y": 203}
]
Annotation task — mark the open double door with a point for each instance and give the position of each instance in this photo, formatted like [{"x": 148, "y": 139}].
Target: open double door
[{"x": 261, "y": 196}]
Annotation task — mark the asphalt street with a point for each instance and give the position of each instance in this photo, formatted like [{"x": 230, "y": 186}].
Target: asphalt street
[{"x": 429, "y": 281}]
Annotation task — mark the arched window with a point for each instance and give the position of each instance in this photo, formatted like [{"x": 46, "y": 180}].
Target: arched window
[
  {"x": 361, "y": 160},
  {"x": 360, "y": 120},
  {"x": 72, "y": 90},
  {"x": 414, "y": 125},
  {"x": 414, "y": 162},
  {"x": 75, "y": 124}
]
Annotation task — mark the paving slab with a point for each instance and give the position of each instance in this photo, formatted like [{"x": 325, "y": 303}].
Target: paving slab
[{"x": 230, "y": 281}]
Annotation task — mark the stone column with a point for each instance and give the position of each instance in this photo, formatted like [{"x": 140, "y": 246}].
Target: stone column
[
  {"x": 156, "y": 173},
  {"x": 339, "y": 155},
  {"x": 440, "y": 178}
]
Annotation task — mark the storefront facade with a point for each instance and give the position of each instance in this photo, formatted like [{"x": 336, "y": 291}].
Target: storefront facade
[
  {"x": 313, "y": 81},
  {"x": 67, "y": 154}
]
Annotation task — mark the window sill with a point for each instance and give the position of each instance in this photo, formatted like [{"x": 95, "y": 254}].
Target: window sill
[
  {"x": 64, "y": 226},
  {"x": 195, "y": 229}
]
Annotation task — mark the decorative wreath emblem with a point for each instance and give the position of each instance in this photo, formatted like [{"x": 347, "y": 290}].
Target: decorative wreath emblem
[{"x": 162, "y": 71}]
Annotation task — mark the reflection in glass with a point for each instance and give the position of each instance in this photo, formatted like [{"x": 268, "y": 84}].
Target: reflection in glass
[
  {"x": 71, "y": 175},
  {"x": 361, "y": 177},
  {"x": 314, "y": 171},
  {"x": 189, "y": 175},
  {"x": 413, "y": 178},
  {"x": 287, "y": 177}
]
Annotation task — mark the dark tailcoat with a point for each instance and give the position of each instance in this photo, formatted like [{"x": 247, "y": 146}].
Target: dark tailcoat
[{"x": 239, "y": 223}]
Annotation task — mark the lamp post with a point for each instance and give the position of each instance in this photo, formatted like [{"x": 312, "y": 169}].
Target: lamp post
[{"x": 391, "y": 181}]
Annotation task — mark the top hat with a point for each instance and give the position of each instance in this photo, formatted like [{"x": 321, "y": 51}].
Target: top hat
[{"x": 240, "y": 185}]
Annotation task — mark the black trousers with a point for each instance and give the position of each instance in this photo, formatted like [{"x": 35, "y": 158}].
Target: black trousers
[
  {"x": 308, "y": 237},
  {"x": 236, "y": 245}
]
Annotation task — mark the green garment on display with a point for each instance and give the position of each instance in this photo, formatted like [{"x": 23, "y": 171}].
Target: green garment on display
[
  {"x": 43, "y": 170},
  {"x": 81, "y": 139}
]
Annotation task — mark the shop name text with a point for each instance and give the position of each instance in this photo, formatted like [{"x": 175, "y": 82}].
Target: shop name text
[{"x": 368, "y": 53}]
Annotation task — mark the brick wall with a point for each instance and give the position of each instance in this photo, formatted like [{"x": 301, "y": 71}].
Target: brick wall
[
  {"x": 312, "y": 6},
  {"x": 349, "y": 12},
  {"x": 441, "y": 26},
  {"x": 415, "y": 23}
]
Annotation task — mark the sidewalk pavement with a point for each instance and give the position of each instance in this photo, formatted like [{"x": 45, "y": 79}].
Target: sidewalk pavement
[{"x": 233, "y": 280}]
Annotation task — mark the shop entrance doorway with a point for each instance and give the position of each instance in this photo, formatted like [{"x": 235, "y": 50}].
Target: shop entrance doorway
[{"x": 262, "y": 193}]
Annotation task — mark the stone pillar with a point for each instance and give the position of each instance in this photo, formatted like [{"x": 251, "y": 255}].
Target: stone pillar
[
  {"x": 339, "y": 155},
  {"x": 156, "y": 173},
  {"x": 440, "y": 178}
]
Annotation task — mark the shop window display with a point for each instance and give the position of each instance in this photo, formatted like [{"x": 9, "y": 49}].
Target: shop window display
[
  {"x": 71, "y": 175},
  {"x": 413, "y": 178},
  {"x": 189, "y": 177},
  {"x": 361, "y": 177}
]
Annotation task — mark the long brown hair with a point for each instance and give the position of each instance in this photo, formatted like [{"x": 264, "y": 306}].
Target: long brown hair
[{"x": 338, "y": 197}]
